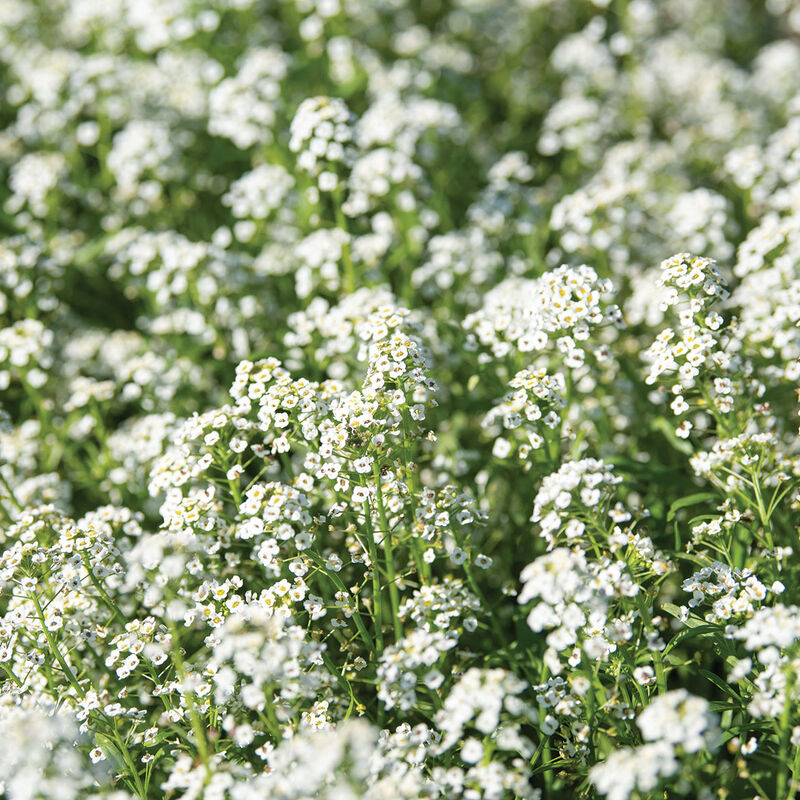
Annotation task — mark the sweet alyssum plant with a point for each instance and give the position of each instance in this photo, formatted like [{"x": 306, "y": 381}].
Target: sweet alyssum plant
[
  {"x": 325, "y": 609},
  {"x": 356, "y": 439}
]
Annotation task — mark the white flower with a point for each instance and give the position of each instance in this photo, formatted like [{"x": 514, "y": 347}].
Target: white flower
[
  {"x": 360, "y": 494},
  {"x": 549, "y": 725},
  {"x": 363, "y": 465},
  {"x": 471, "y": 751}
]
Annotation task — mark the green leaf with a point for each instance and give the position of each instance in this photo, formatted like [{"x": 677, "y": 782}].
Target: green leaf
[
  {"x": 698, "y": 629},
  {"x": 672, "y": 610},
  {"x": 111, "y": 751},
  {"x": 721, "y": 705},
  {"x": 663, "y": 425},
  {"x": 722, "y": 685},
  {"x": 693, "y": 558},
  {"x": 689, "y": 500},
  {"x": 694, "y": 627}
]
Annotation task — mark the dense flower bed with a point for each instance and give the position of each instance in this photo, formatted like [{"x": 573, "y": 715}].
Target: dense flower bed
[{"x": 399, "y": 399}]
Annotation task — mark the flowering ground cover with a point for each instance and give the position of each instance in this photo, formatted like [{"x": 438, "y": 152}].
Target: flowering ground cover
[{"x": 398, "y": 399}]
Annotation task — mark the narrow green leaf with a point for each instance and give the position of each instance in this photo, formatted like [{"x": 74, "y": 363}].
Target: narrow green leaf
[
  {"x": 663, "y": 425},
  {"x": 689, "y": 500},
  {"x": 722, "y": 685}
]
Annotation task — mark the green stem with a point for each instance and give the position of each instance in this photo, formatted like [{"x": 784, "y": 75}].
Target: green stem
[
  {"x": 347, "y": 260},
  {"x": 51, "y": 641},
  {"x": 101, "y": 589},
  {"x": 123, "y": 749},
  {"x": 11, "y": 674},
  {"x": 338, "y": 583},
  {"x": 762, "y": 511},
  {"x": 423, "y": 568},
  {"x": 777, "y": 496},
  {"x": 784, "y": 732},
  {"x": 377, "y": 604},
  {"x": 658, "y": 658},
  {"x": 11, "y": 494},
  {"x": 194, "y": 717},
  {"x": 394, "y": 594}
]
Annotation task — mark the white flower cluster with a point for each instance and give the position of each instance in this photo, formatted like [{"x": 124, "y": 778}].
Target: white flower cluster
[
  {"x": 401, "y": 664},
  {"x": 442, "y": 604},
  {"x": 776, "y": 626},
  {"x": 41, "y": 759},
  {"x": 574, "y": 599},
  {"x": 319, "y": 256},
  {"x": 258, "y": 192},
  {"x": 32, "y": 179},
  {"x": 769, "y": 682},
  {"x": 143, "y": 149},
  {"x": 692, "y": 284},
  {"x": 730, "y": 462},
  {"x": 321, "y": 133},
  {"x": 769, "y": 294},
  {"x": 565, "y": 498},
  {"x": 374, "y": 174},
  {"x": 524, "y": 314},
  {"x": 259, "y": 658},
  {"x": 25, "y": 344},
  {"x": 732, "y": 591},
  {"x": 242, "y": 108},
  {"x": 487, "y": 703},
  {"x": 333, "y": 332},
  {"x": 769, "y": 174},
  {"x": 674, "y": 725},
  {"x": 453, "y": 256},
  {"x": 532, "y": 407}
]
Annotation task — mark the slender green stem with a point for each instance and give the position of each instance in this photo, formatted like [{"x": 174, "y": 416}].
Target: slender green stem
[
  {"x": 123, "y": 749},
  {"x": 347, "y": 259},
  {"x": 101, "y": 589},
  {"x": 337, "y": 582},
  {"x": 394, "y": 594},
  {"x": 11, "y": 674},
  {"x": 194, "y": 716},
  {"x": 377, "y": 603},
  {"x": 54, "y": 649},
  {"x": 423, "y": 568},
  {"x": 11, "y": 494},
  {"x": 70, "y": 675},
  {"x": 658, "y": 658},
  {"x": 784, "y": 732}
]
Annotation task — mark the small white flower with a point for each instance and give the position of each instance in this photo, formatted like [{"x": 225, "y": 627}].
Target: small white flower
[
  {"x": 684, "y": 429},
  {"x": 471, "y": 751},
  {"x": 363, "y": 465},
  {"x": 549, "y": 725},
  {"x": 360, "y": 494}
]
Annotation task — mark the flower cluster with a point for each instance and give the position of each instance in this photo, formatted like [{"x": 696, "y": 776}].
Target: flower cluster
[
  {"x": 321, "y": 131},
  {"x": 574, "y": 601},
  {"x": 531, "y": 315},
  {"x": 676, "y": 723}
]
